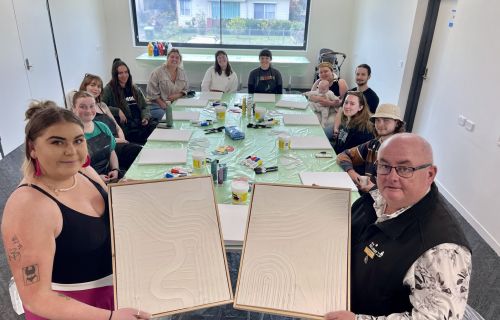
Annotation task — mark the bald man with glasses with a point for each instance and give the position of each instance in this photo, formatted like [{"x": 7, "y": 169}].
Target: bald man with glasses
[{"x": 409, "y": 257}]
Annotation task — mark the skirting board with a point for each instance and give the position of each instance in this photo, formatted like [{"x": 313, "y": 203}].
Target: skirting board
[{"x": 470, "y": 218}]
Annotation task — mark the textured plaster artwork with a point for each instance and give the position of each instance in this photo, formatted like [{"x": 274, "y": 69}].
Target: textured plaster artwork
[
  {"x": 169, "y": 254},
  {"x": 296, "y": 253}
]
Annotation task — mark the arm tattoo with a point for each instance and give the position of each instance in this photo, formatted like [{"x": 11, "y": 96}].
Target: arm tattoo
[
  {"x": 64, "y": 296},
  {"x": 14, "y": 252},
  {"x": 31, "y": 274}
]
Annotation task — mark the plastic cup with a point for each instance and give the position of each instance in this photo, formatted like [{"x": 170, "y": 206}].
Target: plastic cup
[
  {"x": 239, "y": 190},
  {"x": 199, "y": 159},
  {"x": 283, "y": 142},
  {"x": 220, "y": 112},
  {"x": 260, "y": 113}
]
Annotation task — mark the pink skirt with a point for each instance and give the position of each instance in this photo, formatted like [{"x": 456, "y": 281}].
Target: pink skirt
[{"x": 98, "y": 297}]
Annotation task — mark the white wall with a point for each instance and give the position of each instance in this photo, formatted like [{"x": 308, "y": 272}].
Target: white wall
[
  {"x": 464, "y": 80},
  {"x": 381, "y": 38},
  {"x": 80, "y": 35},
  {"x": 329, "y": 28}
]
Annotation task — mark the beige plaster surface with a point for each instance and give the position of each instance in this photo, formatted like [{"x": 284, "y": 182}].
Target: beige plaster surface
[
  {"x": 296, "y": 251},
  {"x": 168, "y": 248}
]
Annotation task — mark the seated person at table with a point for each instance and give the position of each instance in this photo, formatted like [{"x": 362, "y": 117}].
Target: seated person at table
[
  {"x": 100, "y": 141},
  {"x": 355, "y": 126},
  {"x": 121, "y": 92},
  {"x": 323, "y": 91},
  {"x": 166, "y": 84},
  {"x": 359, "y": 161},
  {"x": 220, "y": 77},
  {"x": 410, "y": 259},
  {"x": 55, "y": 226},
  {"x": 265, "y": 79},
  {"x": 125, "y": 150}
]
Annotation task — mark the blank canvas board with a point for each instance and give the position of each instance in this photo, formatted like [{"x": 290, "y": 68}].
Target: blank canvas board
[
  {"x": 310, "y": 142},
  {"x": 233, "y": 220},
  {"x": 185, "y": 115},
  {"x": 264, "y": 97},
  {"x": 191, "y": 102},
  {"x": 295, "y": 257},
  {"x": 162, "y": 156},
  {"x": 210, "y": 95},
  {"x": 170, "y": 135},
  {"x": 292, "y": 104},
  {"x": 328, "y": 179},
  {"x": 301, "y": 119},
  {"x": 168, "y": 254}
]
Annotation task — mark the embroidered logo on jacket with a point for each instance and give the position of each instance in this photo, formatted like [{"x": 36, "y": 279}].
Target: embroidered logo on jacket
[{"x": 372, "y": 252}]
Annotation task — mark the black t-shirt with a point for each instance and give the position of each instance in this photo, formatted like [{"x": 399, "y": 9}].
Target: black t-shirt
[
  {"x": 371, "y": 98},
  {"x": 132, "y": 103}
]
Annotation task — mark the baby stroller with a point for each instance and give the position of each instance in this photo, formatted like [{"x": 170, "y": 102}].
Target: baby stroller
[{"x": 328, "y": 55}]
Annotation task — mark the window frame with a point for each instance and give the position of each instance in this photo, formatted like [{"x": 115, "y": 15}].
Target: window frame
[{"x": 303, "y": 47}]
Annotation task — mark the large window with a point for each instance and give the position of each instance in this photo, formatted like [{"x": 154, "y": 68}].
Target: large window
[{"x": 275, "y": 24}]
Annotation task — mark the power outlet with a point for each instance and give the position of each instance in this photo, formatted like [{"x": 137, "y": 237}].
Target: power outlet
[
  {"x": 469, "y": 125},
  {"x": 461, "y": 120}
]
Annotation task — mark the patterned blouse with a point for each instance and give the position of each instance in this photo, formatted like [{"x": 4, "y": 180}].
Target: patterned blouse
[{"x": 439, "y": 279}]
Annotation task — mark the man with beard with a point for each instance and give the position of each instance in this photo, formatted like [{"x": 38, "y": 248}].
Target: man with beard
[{"x": 363, "y": 74}]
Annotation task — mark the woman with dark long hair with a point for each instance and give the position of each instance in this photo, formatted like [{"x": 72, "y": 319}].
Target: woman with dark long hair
[
  {"x": 220, "y": 77},
  {"x": 122, "y": 93}
]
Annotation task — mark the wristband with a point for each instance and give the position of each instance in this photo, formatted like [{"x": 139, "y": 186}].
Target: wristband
[
  {"x": 110, "y": 315},
  {"x": 114, "y": 170}
]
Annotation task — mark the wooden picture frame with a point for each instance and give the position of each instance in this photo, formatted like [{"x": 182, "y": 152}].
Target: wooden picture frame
[
  {"x": 168, "y": 252},
  {"x": 296, "y": 254}
]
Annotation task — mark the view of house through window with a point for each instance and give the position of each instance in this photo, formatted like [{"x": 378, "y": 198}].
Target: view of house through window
[{"x": 228, "y": 23}]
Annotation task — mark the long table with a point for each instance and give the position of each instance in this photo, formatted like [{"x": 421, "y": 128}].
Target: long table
[{"x": 260, "y": 142}]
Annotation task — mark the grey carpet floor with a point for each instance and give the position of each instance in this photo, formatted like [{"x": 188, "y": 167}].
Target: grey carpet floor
[{"x": 484, "y": 294}]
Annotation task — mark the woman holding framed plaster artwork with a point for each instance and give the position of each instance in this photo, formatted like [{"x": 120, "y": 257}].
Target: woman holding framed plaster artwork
[{"x": 55, "y": 225}]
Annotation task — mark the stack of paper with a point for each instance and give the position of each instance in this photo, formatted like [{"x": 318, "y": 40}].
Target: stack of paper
[
  {"x": 264, "y": 97},
  {"x": 319, "y": 143},
  {"x": 191, "y": 102},
  {"x": 301, "y": 119},
  {"x": 170, "y": 135},
  {"x": 185, "y": 115},
  {"x": 162, "y": 156},
  {"x": 292, "y": 104},
  {"x": 328, "y": 179}
]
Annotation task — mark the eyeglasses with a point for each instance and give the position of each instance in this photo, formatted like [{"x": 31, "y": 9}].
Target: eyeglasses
[{"x": 402, "y": 171}]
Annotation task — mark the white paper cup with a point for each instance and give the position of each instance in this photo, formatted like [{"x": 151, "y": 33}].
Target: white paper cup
[
  {"x": 220, "y": 112},
  {"x": 239, "y": 190}
]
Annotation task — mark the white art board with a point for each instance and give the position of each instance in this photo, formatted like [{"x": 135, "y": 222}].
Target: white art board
[
  {"x": 301, "y": 119},
  {"x": 295, "y": 259},
  {"x": 184, "y": 115},
  {"x": 168, "y": 252},
  {"x": 310, "y": 143},
  {"x": 302, "y": 105},
  {"x": 233, "y": 220},
  {"x": 191, "y": 102},
  {"x": 328, "y": 179},
  {"x": 264, "y": 97},
  {"x": 211, "y": 95},
  {"x": 170, "y": 135},
  {"x": 162, "y": 156}
]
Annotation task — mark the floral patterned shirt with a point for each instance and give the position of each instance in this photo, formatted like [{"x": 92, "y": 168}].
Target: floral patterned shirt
[{"x": 439, "y": 279}]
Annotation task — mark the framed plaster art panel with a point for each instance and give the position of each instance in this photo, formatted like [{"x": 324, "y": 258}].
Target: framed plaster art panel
[
  {"x": 168, "y": 252},
  {"x": 296, "y": 254}
]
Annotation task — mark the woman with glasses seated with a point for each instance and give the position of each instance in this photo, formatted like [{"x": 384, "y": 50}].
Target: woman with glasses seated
[
  {"x": 220, "y": 77},
  {"x": 355, "y": 127},
  {"x": 100, "y": 141},
  {"x": 121, "y": 92},
  {"x": 359, "y": 161}
]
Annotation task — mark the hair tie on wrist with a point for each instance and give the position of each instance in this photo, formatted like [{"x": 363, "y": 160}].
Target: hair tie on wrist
[{"x": 110, "y": 315}]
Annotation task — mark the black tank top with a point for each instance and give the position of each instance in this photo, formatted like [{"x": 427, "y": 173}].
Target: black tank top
[{"x": 83, "y": 248}]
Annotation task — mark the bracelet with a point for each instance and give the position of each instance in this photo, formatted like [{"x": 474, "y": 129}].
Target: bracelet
[
  {"x": 115, "y": 169},
  {"x": 110, "y": 315}
]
